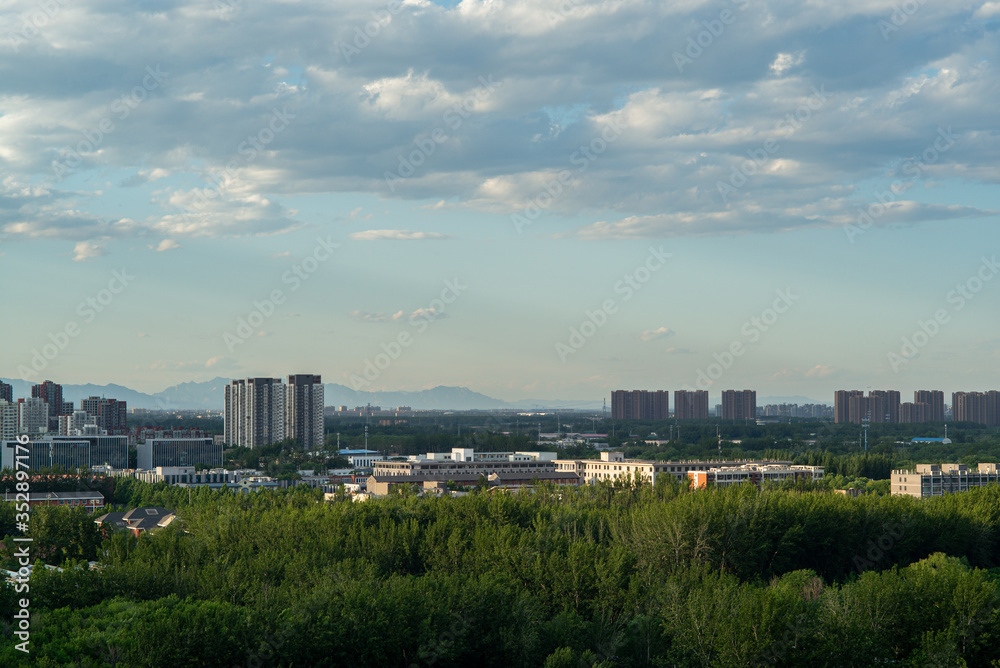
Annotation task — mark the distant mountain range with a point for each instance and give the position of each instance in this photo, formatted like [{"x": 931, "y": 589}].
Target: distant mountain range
[{"x": 210, "y": 395}]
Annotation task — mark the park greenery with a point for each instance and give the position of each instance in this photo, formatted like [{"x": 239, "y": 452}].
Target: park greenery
[
  {"x": 604, "y": 575},
  {"x": 613, "y": 574}
]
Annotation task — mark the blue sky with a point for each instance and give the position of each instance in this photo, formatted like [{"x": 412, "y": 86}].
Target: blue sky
[{"x": 526, "y": 159}]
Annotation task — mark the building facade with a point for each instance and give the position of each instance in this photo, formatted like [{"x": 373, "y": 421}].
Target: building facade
[
  {"x": 89, "y": 501},
  {"x": 728, "y": 476},
  {"x": 8, "y": 420},
  {"x": 52, "y": 394},
  {"x": 68, "y": 454},
  {"x": 255, "y": 412},
  {"x": 465, "y": 461},
  {"x": 979, "y": 407},
  {"x": 77, "y": 424},
  {"x": 612, "y": 466},
  {"x": 935, "y": 403},
  {"x": 304, "y": 411},
  {"x": 691, "y": 405},
  {"x": 739, "y": 405},
  {"x": 640, "y": 405},
  {"x": 32, "y": 416},
  {"x": 172, "y": 452},
  {"x": 939, "y": 479},
  {"x": 109, "y": 414}
]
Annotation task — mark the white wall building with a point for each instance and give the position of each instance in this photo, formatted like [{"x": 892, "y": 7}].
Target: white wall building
[
  {"x": 32, "y": 416},
  {"x": 8, "y": 420}
]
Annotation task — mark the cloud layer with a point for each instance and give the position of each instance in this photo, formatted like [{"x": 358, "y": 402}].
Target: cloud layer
[{"x": 657, "y": 120}]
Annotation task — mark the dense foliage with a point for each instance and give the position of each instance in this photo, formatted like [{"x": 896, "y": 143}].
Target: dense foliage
[{"x": 604, "y": 575}]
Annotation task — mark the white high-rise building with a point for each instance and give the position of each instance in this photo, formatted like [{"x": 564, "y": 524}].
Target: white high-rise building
[
  {"x": 8, "y": 420},
  {"x": 255, "y": 412},
  {"x": 77, "y": 423},
  {"x": 32, "y": 416},
  {"x": 304, "y": 410}
]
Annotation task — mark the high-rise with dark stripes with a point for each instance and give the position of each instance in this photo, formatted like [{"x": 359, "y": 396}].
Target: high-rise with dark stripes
[
  {"x": 304, "y": 410},
  {"x": 640, "y": 405},
  {"x": 739, "y": 405},
  {"x": 691, "y": 404}
]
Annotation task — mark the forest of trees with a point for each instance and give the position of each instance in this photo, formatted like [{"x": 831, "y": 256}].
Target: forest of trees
[{"x": 603, "y": 575}]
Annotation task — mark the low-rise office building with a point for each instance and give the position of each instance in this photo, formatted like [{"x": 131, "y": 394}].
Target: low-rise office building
[
  {"x": 465, "y": 461},
  {"x": 362, "y": 459},
  {"x": 89, "y": 501},
  {"x": 69, "y": 454},
  {"x": 156, "y": 452},
  {"x": 939, "y": 479},
  {"x": 728, "y": 476},
  {"x": 614, "y": 466}
]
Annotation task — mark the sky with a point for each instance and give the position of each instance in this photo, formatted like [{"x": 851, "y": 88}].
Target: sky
[{"x": 537, "y": 199}]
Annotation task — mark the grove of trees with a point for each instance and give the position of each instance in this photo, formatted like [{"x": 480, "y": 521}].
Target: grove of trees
[{"x": 605, "y": 575}]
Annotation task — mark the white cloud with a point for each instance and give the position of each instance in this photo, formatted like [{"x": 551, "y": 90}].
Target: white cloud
[
  {"x": 656, "y": 334},
  {"x": 568, "y": 71},
  {"x": 396, "y": 235},
  {"x": 167, "y": 244},
  {"x": 820, "y": 371},
  {"x": 87, "y": 250},
  {"x": 380, "y": 316}
]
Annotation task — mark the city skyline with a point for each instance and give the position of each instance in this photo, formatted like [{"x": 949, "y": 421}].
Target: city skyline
[{"x": 488, "y": 195}]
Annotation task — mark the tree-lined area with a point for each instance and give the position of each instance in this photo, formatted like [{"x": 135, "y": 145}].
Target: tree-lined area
[{"x": 607, "y": 575}]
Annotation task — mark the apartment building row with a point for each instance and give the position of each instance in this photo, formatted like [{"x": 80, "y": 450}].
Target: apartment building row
[
  {"x": 688, "y": 405},
  {"x": 264, "y": 411},
  {"x": 927, "y": 406}
]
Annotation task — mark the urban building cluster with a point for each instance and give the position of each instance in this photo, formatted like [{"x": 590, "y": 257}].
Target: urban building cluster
[
  {"x": 264, "y": 411},
  {"x": 94, "y": 435},
  {"x": 435, "y": 471},
  {"x": 817, "y": 411},
  {"x": 688, "y": 405},
  {"x": 927, "y": 406},
  {"x": 849, "y": 406},
  {"x": 46, "y": 412}
]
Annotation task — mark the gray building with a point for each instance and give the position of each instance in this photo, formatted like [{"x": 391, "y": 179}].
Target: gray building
[
  {"x": 165, "y": 452},
  {"x": 304, "y": 410},
  {"x": 69, "y": 454}
]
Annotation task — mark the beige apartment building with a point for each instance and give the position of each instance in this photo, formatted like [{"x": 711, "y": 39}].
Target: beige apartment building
[{"x": 939, "y": 479}]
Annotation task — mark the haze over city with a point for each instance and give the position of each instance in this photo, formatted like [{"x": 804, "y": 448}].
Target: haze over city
[{"x": 528, "y": 199}]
